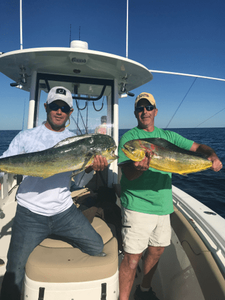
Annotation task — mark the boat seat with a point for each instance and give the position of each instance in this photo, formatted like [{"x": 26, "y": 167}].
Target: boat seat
[{"x": 57, "y": 261}]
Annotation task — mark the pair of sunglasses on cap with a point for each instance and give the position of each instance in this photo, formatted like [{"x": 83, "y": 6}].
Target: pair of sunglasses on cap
[
  {"x": 141, "y": 108},
  {"x": 55, "y": 107}
]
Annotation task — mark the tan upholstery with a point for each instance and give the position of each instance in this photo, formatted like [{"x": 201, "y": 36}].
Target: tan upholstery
[{"x": 57, "y": 261}]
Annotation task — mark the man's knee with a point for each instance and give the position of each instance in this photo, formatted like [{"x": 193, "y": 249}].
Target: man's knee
[
  {"x": 132, "y": 260},
  {"x": 98, "y": 250},
  {"x": 133, "y": 263},
  {"x": 95, "y": 247},
  {"x": 155, "y": 252}
]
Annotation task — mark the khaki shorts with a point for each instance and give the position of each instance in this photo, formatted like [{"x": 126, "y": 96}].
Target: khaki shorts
[{"x": 140, "y": 230}]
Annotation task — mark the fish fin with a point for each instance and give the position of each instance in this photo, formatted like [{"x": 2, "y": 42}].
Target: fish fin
[
  {"x": 162, "y": 143},
  {"x": 183, "y": 174},
  {"x": 72, "y": 139},
  {"x": 87, "y": 162}
]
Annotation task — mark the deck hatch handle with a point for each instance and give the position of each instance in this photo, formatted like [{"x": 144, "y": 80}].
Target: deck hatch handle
[
  {"x": 41, "y": 293},
  {"x": 103, "y": 294}
]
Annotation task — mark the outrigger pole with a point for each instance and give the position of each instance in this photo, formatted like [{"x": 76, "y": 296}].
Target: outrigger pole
[{"x": 188, "y": 75}]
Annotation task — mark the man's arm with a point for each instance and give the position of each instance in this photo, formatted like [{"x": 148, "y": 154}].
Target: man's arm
[
  {"x": 210, "y": 153},
  {"x": 135, "y": 169}
]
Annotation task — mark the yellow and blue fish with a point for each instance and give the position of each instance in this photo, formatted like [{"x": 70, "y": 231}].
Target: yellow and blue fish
[{"x": 166, "y": 156}]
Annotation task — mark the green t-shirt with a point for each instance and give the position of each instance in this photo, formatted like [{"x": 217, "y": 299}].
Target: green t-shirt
[{"x": 151, "y": 192}]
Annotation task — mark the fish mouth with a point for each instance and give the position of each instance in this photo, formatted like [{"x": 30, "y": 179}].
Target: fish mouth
[
  {"x": 109, "y": 153},
  {"x": 113, "y": 153}
]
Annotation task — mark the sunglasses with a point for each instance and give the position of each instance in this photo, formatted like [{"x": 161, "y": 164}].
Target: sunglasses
[
  {"x": 141, "y": 108},
  {"x": 55, "y": 107}
]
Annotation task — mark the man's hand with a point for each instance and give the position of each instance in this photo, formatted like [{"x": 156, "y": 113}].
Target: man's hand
[
  {"x": 216, "y": 163},
  {"x": 210, "y": 153},
  {"x": 144, "y": 164},
  {"x": 133, "y": 170},
  {"x": 99, "y": 164}
]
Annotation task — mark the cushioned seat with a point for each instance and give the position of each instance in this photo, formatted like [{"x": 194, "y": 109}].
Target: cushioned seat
[{"x": 57, "y": 261}]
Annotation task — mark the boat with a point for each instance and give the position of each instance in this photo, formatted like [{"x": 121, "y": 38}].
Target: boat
[{"x": 192, "y": 267}]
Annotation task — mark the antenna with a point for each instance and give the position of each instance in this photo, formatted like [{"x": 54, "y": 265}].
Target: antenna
[
  {"x": 127, "y": 30},
  {"x": 21, "y": 27},
  {"x": 70, "y": 35}
]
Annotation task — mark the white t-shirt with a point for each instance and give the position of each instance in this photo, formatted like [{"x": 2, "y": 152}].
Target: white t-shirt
[{"x": 47, "y": 196}]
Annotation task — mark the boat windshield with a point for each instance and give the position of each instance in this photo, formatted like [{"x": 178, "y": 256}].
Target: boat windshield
[{"x": 92, "y": 102}]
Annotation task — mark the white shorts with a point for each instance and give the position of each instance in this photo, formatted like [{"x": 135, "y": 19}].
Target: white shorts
[{"x": 140, "y": 230}]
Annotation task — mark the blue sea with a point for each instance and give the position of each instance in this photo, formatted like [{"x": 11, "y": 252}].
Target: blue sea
[{"x": 207, "y": 186}]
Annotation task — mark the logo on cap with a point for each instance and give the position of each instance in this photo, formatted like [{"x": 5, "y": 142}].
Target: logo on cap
[{"x": 61, "y": 91}]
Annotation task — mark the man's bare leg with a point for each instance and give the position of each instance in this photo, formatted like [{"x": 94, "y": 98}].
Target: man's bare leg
[
  {"x": 150, "y": 262},
  {"x": 127, "y": 274}
]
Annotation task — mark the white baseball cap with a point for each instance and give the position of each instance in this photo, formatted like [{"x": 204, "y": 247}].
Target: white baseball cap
[{"x": 60, "y": 93}]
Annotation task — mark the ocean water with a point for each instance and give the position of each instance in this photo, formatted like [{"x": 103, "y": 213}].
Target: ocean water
[
  {"x": 6, "y": 137},
  {"x": 208, "y": 187}
]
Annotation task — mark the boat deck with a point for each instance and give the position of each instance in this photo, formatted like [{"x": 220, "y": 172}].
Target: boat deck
[{"x": 187, "y": 269}]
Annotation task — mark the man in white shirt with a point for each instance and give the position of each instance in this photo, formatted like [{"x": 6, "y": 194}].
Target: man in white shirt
[{"x": 45, "y": 206}]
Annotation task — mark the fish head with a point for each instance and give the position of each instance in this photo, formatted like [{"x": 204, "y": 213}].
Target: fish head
[
  {"x": 109, "y": 154},
  {"x": 133, "y": 150},
  {"x": 105, "y": 146}
]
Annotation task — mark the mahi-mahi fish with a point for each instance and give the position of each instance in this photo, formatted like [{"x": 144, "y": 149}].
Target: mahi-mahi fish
[
  {"x": 166, "y": 156},
  {"x": 71, "y": 154}
]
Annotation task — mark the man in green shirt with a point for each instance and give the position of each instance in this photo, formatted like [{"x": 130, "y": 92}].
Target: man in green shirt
[{"x": 146, "y": 198}]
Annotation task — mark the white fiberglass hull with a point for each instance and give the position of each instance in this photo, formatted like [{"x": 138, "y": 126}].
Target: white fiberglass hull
[{"x": 97, "y": 289}]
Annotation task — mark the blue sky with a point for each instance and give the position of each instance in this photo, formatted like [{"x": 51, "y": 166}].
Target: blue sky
[{"x": 179, "y": 36}]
